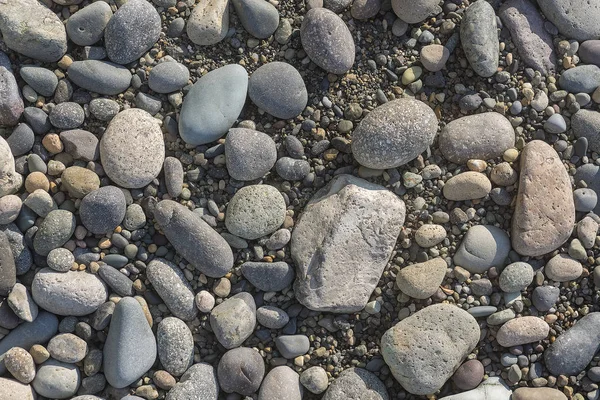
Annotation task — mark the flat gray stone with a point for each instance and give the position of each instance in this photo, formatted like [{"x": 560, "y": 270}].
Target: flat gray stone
[
  {"x": 483, "y": 246},
  {"x": 260, "y": 18},
  {"x": 241, "y": 370},
  {"x": 581, "y": 79},
  {"x": 199, "y": 382},
  {"x": 101, "y": 77},
  {"x": 479, "y": 38},
  {"x": 249, "y": 154},
  {"x": 170, "y": 284},
  {"x": 281, "y": 383},
  {"x": 102, "y": 210},
  {"x": 168, "y": 77},
  {"x": 411, "y": 12},
  {"x": 41, "y": 79},
  {"x": 268, "y": 277},
  {"x": 56, "y": 380}
]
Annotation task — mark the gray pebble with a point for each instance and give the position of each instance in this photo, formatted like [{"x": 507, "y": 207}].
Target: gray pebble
[
  {"x": 55, "y": 230},
  {"x": 67, "y": 348},
  {"x": 168, "y": 77},
  {"x": 80, "y": 144},
  {"x": 258, "y": 17},
  {"x": 255, "y": 211},
  {"x": 42, "y": 80},
  {"x": 21, "y": 140},
  {"x": 102, "y": 210},
  {"x": 241, "y": 370},
  {"x": 356, "y": 383},
  {"x": 171, "y": 285},
  {"x": 268, "y": 277},
  {"x": 583, "y": 78},
  {"x": 272, "y": 317},
  {"x": 281, "y": 383},
  {"x": 249, "y": 154},
  {"x": 292, "y": 346},
  {"x": 545, "y": 297},
  {"x": 86, "y": 26},
  {"x": 173, "y": 171},
  {"x": 585, "y": 199},
  {"x": 233, "y": 321},
  {"x": 175, "y": 345},
  {"x": 291, "y": 169},
  {"x": 516, "y": 277},
  {"x": 104, "y": 109},
  {"x": 100, "y": 76},
  {"x": 117, "y": 281},
  {"x": 56, "y": 380}
]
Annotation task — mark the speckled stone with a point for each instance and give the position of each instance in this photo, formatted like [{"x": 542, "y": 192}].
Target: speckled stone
[
  {"x": 479, "y": 38},
  {"x": 241, "y": 370},
  {"x": 171, "y": 285},
  {"x": 249, "y": 154},
  {"x": 233, "y": 321},
  {"x": 55, "y": 230},
  {"x": 356, "y": 383},
  {"x": 175, "y": 345},
  {"x": 255, "y": 211}
]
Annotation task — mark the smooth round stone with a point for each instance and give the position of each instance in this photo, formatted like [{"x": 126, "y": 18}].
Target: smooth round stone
[
  {"x": 292, "y": 169},
  {"x": 522, "y": 330},
  {"x": 482, "y": 247},
  {"x": 56, "y": 229},
  {"x": 67, "y": 115},
  {"x": 86, "y": 26},
  {"x": 100, "y": 76},
  {"x": 56, "y": 380},
  {"x": 337, "y": 6},
  {"x": 17, "y": 242},
  {"x": 174, "y": 174},
  {"x": 74, "y": 293},
  {"x": 259, "y": 18},
  {"x": 469, "y": 375},
  {"x": 241, "y": 371},
  {"x": 21, "y": 140},
  {"x": 80, "y": 181},
  {"x": 394, "y": 133},
  {"x": 148, "y": 103},
  {"x": 268, "y": 277},
  {"x": 104, "y": 109},
  {"x": 434, "y": 57},
  {"x": 281, "y": 383},
  {"x": 278, "y": 88},
  {"x": 80, "y": 144},
  {"x": 585, "y": 199},
  {"x": 213, "y": 104},
  {"x": 577, "y": 19},
  {"x": 205, "y": 301},
  {"x": 175, "y": 345},
  {"x": 292, "y": 346},
  {"x": 589, "y": 52},
  {"x": 249, "y": 154},
  {"x": 430, "y": 235},
  {"x": 365, "y": 9},
  {"x": 516, "y": 277},
  {"x": 356, "y": 383},
  {"x": 555, "y": 124},
  {"x": 255, "y": 211},
  {"x": 545, "y": 297},
  {"x": 102, "y": 210},
  {"x": 132, "y": 149},
  {"x": 171, "y": 285},
  {"x": 272, "y": 317},
  {"x": 115, "y": 279},
  {"x": 60, "y": 259},
  {"x": 500, "y": 317},
  {"x": 20, "y": 365},
  {"x": 327, "y": 41},
  {"x": 16, "y": 390},
  {"x": 538, "y": 393},
  {"x": 233, "y": 320},
  {"x": 42, "y": 80},
  {"x": 315, "y": 380},
  {"x": 468, "y": 185},
  {"x": 168, "y": 77},
  {"x": 411, "y": 12},
  {"x": 581, "y": 79},
  {"x": 482, "y": 311},
  {"x": 132, "y": 31},
  {"x": 10, "y": 207},
  {"x": 562, "y": 268},
  {"x": 67, "y": 348}
]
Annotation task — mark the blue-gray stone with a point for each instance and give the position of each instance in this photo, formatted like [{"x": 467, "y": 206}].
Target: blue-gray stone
[
  {"x": 590, "y": 174},
  {"x": 130, "y": 347},
  {"x": 483, "y": 247},
  {"x": 292, "y": 346},
  {"x": 68, "y": 115},
  {"x": 482, "y": 311},
  {"x": 198, "y": 382},
  {"x": 37, "y": 119},
  {"x": 8, "y": 271},
  {"x": 56, "y": 380},
  {"x": 148, "y": 103},
  {"x": 132, "y": 31},
  {"x": 21, "y": 140},
  {"x": 42, "y": 80},
  {"x": 292, "y": 169},
  {"x": 576, "y": 19},
  {"x": 168, "y": 77},
  {"x": 260, "y": 18},
  {"x": 479, "y": 38},
  {"x": 86, "y": 26},
  {"x": 585, "y": 199},
  {"x": 171, "y": 285},
  {"x": 555, "y": 124},
  {"x": 116, "y": 280},
  {"x": 268, "y": 277},
  {"x": 18, "y": 245},
  {"x": 544, "y": 297},
  {"x": 583, "y": 78},
  {"x": 100, "y": 76},
  {"x": 213, "y": 104}
]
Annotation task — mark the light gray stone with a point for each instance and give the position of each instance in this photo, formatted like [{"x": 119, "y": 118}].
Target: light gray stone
[
  {"x": 175, "y": 345},
  {"x": 521, "y": 331},
  {"x": 249, "y": 154},
  {"x": 86, "y": 26},
  {"x": 281, "y": 383},
  {"x": 56, "y": 380},
  {"x": 233, "y": 321},
  {"x": 411, "y": 12},
  {"x": 170, "y": 284},
  {"x": 492, "y": 388},
  {"x": 255, "y": 211},
  {"x": 577, "y": 19},
  {"x": 100, "y": 76},
  {"x": 479, "y": 38},
  {"x": 356, "y": 383},
  {"x": 199, "y": 382},
  {"x": 209, "y": 22},
  {"x": 481, "y": 248}
]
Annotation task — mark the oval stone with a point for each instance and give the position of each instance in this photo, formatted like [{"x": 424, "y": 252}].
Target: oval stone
[
  {"x": 394, "y": 134},
  {"x": 209, "y": 22},
  {"x": 522, "y": 330},
  {"x": 86, "y": 26},
  {"x": 479, "y": 38},
  {"x": 102, "y": 210},
  {"x": 412, "y": 12},
  {"x": 562, "y": 268},
  {"x": 175, "y": 345},
  {"x": 100, "y": 76},
  {"x": 56, "y": 380},
  {"x": 468, "y": 185},
  {"x": 56, "y": 229},
  {"x": 171, "y": 285},
  {"x": 581, "y": 79},
  {"x": 15, "y": 390},
  {"x": 255, "y": 211}
]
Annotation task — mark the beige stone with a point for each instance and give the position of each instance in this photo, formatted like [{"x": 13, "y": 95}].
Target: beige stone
[
  {"x": 562, "y": 268},
  {"x": 209, "y": 22},
  {"x": 467, "y": 186},
  {"x": 421, "y": 281},
  {"x": 434, "y": 57},
  {"x": 522, "y": 330},
  {"x": 542, "y": 393}
]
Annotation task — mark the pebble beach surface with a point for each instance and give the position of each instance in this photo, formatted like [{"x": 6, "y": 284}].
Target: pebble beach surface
[{"x": 299, "y": 199}]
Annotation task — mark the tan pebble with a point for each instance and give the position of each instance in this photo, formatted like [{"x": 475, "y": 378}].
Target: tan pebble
[
  {"x": 52, "y": 143},
  {"x": 510, "y": 155},
  {"x": 477, "y": 165},
  {"x": 39, "y": 353},
  {"x": 36, "y": 180},
  {"x": 163, "y": 379},
  {"x": 65, "y": 62},
  {"x": 20, "y": 364}
]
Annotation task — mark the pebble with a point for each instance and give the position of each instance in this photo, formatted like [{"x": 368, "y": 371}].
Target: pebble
[
  {"x": 576, "y": 20},
  {"x": 356, "y": 383},
  {"x": 314, "y": 379},
  {"x": 562, "y": 268},
  {"x": 172, "y": 286},
  {"x": 469, "y": 375},
  {"x": 56, "y": 380},
  {"x": 79, "y": 181},
  {"x": 194, "y": 239},
  {"x": 174, "y": 175},
  {"x": 11, "y": 104},
  {"x": 86, "y": 26},
  {"x": 555, "y": 124},
  {"x": 20, "y": 365},
  {"x": 80, "y": 144},
  {"x": 516, "y": 277},
  {"x": 60, "y": 259},
  {"x": 589, "y": 174},
  {"x": 258, "y": 17},
  {"x": 545, "y": 297},
  {"x": 241, "y": 371},
  {"x": 585, "y": 199},
  {"x": 581, "y": 79},
  {"x": 20, "y": 301},
  {"x": 430, "y": 235},
  {"x": 281, "y": 383},
  {"x": 483, "y": 246},
  {"x": 175, "y": 345},
  {"x": 21, "y": 140},
  {"x": 589, "y": 52},
  {"x": 134, "y": 217},
  {"x": 279, "y": 239},
  {"x": 10, "y": 207},
  {"x": 42, "y": 80},
  {"x": 539, "y": 226},
  {"x": 198, "y": 382},
  {"x": 130, "y": 347},
  {"x": 249, "y": 154},
  {"x": 434, "y": 57},
  {"x": 265, "y": 89},
  {"x": 522, "y": 330},
  {"x": 421, "y": 281},
  {"x": 101, "y": 77},
  {"x": 213, "y": 104},
  {"x": 587, "y": 229},
  {"x": 539, "y": 393},
  {"x": 365, "y": 9},
  {"x": 102, "y": 210},
  {"x": 233, "y": 321},
  {"x": 124, "y": 44},
  {"x": 268, "y": 277},
  {"x": 74, "y": 293},
  {"x": 291, "y": 169},
  {"x": 327, "y": 41},
  {"x": 468, "y": 185},
  {"x": 586, "y": 124},
  {"x": 412, "y": 13},
  {"x": 116, "y": 280},
  {"x": 168, "y": 77},
  {"x": 67, "y": 348},
  {"x": 132, "y": 149},
  {"x": 55, "y": 230},
  {"x": 272, "y": 317},
  {"x": 292, "y": 346},
  {"x": 104, "y": 109},
  {"x": 16, "y": 390},
  {"x": 479, "y": 38},
  {"x": 209, "y": 22},
  {"x": 204, "y": 301},
  {"x": 394, "y": 133}
]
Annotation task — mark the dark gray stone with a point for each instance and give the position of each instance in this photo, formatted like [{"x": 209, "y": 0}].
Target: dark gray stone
[
  {"x": 21, "y": 140},
  {"x": 249, "y": 154},
  {"x": 545, "y": 297},
  {"x": 292, "y": 169},
  {"x": 241, "y": 371},
  {"x": 168, "y": 77},
  {"x": 102, "y": 210},
  {"x": 292, "y": 346},
  {"x": 8, "y": 272},
  {"x": 581, "y": 79},
  {"x": 42, "y": 80},
  {"x": 100, "y": 76},
  {"x": 260, "y": 18},
  {"x": 11, "y": 103},
  {"x": 67, "y": 115},
  {"x": 117, "y": 281},
  {"x": 171, "y": 285},
  {"x": 86, "y": 26},
  {"x": 268, "y": 277},
  {"x": 278, "y": 88},
  {"x": 479, "y": 38},
  {"x": 80, "y": 144}
]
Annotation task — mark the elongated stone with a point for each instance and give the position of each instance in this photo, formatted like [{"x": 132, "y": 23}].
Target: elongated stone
[{"x": 479, "y": 38}]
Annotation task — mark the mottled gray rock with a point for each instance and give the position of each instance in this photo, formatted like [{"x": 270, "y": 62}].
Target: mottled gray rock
[
  {"x": 15, "y": 390},
  {"x": 241, "y": 370},
  {"x": 20, "y": 250},
  {"x": 37, "y": 33},
  {"x": 268, "y": 277},
  {"x": 175, "y": 345},
  {"x": 168, "y": 77},
  {"x": 281, "y": 383},
  {"x": 21, "y": 140},
  {"x": 260, "y": 18},
  {"x": 40, "y": 202},
  {"x": 469, "y": 375},
  {"x": 480, "y": 136},
  {"x": 104, "y": 109},
  {"x": 21, "y": 302},
  {"x": 590, "y": 174},
  {"x": 209, "y": 22},
  {"x": 86, "y": 26},
  {"x": 8, "y": 271},
  {"x": 581, "y": 79},
  {"x": 562, "y": 268},
  {"x": 340, "y": 248},
  {"x": 291, "y": 169},
  {"x": 100, "y": 76},
  {"x": 577, "y": 19},
  {"x": 11, "y": 103},
  {"x": 68, "y": 293},
  {"x": 173, "y": 171},
  {"x": 10, "y": 180},
  {"x": 337, "y": 6},
  {"x": 102, "y": 210},
  {"x": 545, "y": 297},
  {"x": 194, "y": 239},
  {"x": 292, "y": 346},
  {"x": 394, "y": 134},
  {"x": 56, "y": 380},
  {"x": 365, "y": 9},
  {"x": 249, "y": 154},
  {"x": 314, "y": 379},
  {"x": 80, "y": 144},
  {"x": 278, "y": 88},
  {"x": 589, "y": 52},
  {"x": 233, "y": 321},
  {"x": 573, "y": 350},
  {"x": 526, "y": 27},
  {"x": 483, "y": 246},
  {"x": 586, "y": 123},
  {"x": 255, "y": 211},
  {"x": 132, "y": 148},
  {"x": 469, "y": 185},
  {"x": 132, "y": 31},
  {"x": 516, "y": 277},
  {"x": 356, "y": 383},
  {"x": 116, "y": 280},
  {"x": 213, "y": 104},
  {"x": 545, "y": 212},
  {"x": 479, "y": 38},
  {"x": 425, "y": 349},
  {"x": 422, "y": 280},
  {"x": 327, "y": 41},
  {"x": 411, "y": 12},
  {"x": 67, "y": 348},
  {"x": 42, "y": 80},
  {"x": 199, "y": 382},
  {"x": 272, "y": 317},
  {"x": 521, "y": 331},
  {"x": 130, "y": 347},
  {"x": 20, "y": 364},
  {"x": 56, "y": 229},
  {"x": 171, "y": 285},
  {"x": 135, "y": 218}
]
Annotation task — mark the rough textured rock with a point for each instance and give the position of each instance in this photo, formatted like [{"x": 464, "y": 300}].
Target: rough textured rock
[
  {"x": 356, "y": 383},
  {"x": 562, "y": 268},
  {"x": 342, "y": 243},
  {"x": 576, "y": 19},
  {"x": 86, "y": 26},
  {"x": 15, "y": 390},
  {"x": 11, "y": 103},
  {"x": 209, "y": 22},
  {"x": 479, "y": 38},
  {"x": 281, "y": 383},
  {"x": 412, "y": 12},
  {"x": 522, "y": 330},
  {"x": 249, "y": 154},
  {"x": 175, "y": 345},
  {"x": 526, "y": 27},
  {"x": 56, "y": 229},
  {"x": 480, "y": 136},
  {"x": 8, "y": 271},
  {"x": 102, "y": 210},
  {"x": 545, "y": 212},
  {"x": 171, "y": 285},
  {"x": 421, "y": 281},
  {"x": 482, "y": 247},
  {"x": 199, "y": 382},
  {"x": 467, "y": 185},
  {"x": 394, "y": 134},
  {"x": 586, "y": 123},
  {"x": 540, "y": 393},
  {"x": 233, "y": 321},
  {"x": 425, "y": 349}
]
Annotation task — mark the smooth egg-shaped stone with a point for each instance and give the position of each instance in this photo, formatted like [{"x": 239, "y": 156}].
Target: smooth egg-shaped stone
[
  {"x": 100, "y": 76},
  {"x": 213, "y": 104}
]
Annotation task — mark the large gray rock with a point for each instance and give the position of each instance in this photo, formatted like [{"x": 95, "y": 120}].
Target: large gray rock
[
  {"x": 342, "y": 243},
  {"x": 132, "y": 149},
  {"x": 15, "y": 390},
  {"x": 255, "y": 211},
  {"x": 56, "y": 380},
  {"x": 479, "y": 38},
  {"x": 199, "y": 382},
  {"x": 481, "y": 248},
  {"x": 260, "y": 18},
  {"x": 11, "y": 103},
  {"x": 194, "y": 239},
  {"x": 356, "y": 383},
  {"x": 545, "y": 212},
  {"x": 56, "y": 229},
  {"x": 412, "y": 12},
  {"x": 425, "y": 349},
  {"x": 327, "y": 40},
  {"x": 209, "y": 22},
  {"x": 586, "y": 123},
  {"x": 100, "y": 76},
  {"x": 581, "y": 79},
  {"x": 576, "y": 19},
  {"x": 130, "y": 347},
  {"x": 394, "y": 133},
  {"x": 86, "y": 26},
  {"x": 74, "y": 293},
  {"x": 213, "y": 104},
  {"x": 37, "y": 33},
  {"x": 526, "y": 27},
  {"x": 170, "y": 284},
  {"x": 175, "y": 345},
  {"x": 573, "y": 350},
  {"x": 480, "y": 136},
  {"x": 233, "y": 320},
  {"x": 281, "y": 383}
]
